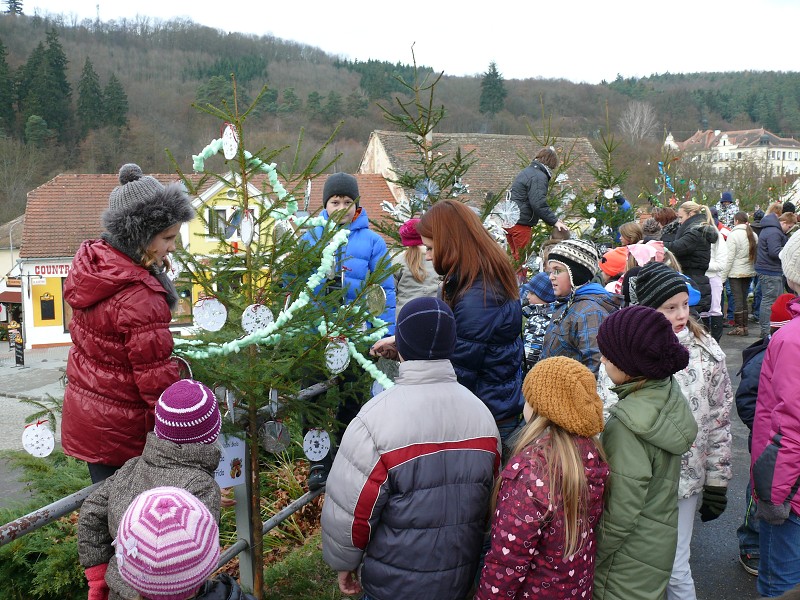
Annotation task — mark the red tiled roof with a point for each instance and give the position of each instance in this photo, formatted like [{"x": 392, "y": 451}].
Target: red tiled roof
[
  {"x": 65, "y": 211},
  {"x": 744, "y": 138},
  {"x": 11, "y": 296}
]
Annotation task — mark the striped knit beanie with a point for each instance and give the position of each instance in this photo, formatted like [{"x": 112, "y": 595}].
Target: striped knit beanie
[
  {"x": 187, "y": 413},
  {"x": 580, "y": 257},
  {"x": 167, "y": 544},
  {"x": 654, "y": 284}
]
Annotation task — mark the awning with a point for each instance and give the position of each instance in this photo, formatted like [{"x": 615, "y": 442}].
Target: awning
[{"x": 9, "y": 296}]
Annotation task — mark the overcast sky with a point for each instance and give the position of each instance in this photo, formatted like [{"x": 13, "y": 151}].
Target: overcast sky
[{"x": 579, "y": 40}]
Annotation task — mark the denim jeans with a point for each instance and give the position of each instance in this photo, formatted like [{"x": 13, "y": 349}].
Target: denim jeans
[
  {"x": 748, "y": 530},
  {"x": 779, "y": 566},
  {"x": 731, "y": 301},
  {"x": 756, "y": 297},
  {"x": 771, "y": 288}
]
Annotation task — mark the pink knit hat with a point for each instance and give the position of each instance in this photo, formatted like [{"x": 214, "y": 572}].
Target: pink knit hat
[
  {"x": 187, "y": 413},
  {"x": 409, "y": 236},
  {"x": 167, "y": 544}
]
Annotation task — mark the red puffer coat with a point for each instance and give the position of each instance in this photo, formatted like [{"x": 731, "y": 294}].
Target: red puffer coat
[{"x": 120, "y": 359}]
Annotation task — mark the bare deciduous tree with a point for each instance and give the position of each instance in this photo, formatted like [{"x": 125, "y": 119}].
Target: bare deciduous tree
[{"x": 638, "y": 121}]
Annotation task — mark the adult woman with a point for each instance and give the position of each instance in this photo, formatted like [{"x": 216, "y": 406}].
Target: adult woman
[
  {"x": 480, "y": 287},
  {"x": 692, "y": 247},
  {"x": 740, "y": 268},
  {"x": 121, "y": 299},
  {"x": 668, "y": 219}
]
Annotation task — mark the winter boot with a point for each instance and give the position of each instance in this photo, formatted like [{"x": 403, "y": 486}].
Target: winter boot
[
  {"x": 743, "y": 323},
  {"x": 716, "y": 326},
  {"x": 737, "y": 330}
]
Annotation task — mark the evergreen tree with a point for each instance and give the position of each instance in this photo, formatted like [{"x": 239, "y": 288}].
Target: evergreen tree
[
  {"x": 115, "y": 103},
  {"x": 6, "y": 94},
  {"x": 58, "y": 112},
  {"x": 25, "y": 78},
  {"x": 270, "y": 101},
  {"x": 493, "y": 91},
  {"x": 291, "y": 102},
  {"x": 314, "y": 104},
  {"x": 37, "y": 132},
  {"x": 334, "y": 107},
  {"x": 14, "y": 7},
  {"x": 90, "y": 99},
  {"x": 356, "y": 105}
]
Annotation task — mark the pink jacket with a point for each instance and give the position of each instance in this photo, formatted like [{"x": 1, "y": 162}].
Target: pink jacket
[{"x": 778, "y": 417}]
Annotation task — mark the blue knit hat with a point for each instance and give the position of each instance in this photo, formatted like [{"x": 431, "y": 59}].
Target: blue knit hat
[
  {"x": 540, "y": 285},
  {"x": 726, "y": 197},
  {"x": 426, "y": 330}
]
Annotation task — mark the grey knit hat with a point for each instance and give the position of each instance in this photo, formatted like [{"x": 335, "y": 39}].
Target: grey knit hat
[
  {"x": 654, "y": 284},
  {"x": 139, "y": 208},
  {"x": 340, "y": 184},
  {"x": 580, "y": 257},
  {"x": 134, "y": 186}
]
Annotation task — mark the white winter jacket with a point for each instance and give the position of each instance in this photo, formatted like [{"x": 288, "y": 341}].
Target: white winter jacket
[
  {"x": 739, "y": 263},
  {"x": 719, "y": 254}
]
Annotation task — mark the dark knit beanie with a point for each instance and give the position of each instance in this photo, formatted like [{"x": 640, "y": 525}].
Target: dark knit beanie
[
  {"x": 580, "y": 257},
  {"x": 653, "y": 284},
  {"x": 640, "y": 342},
  {"x": 565, "y": 391},
  {"x": 788, "y": 207},
  {"x": 425, "y": 330},
  {"x": 340, "y": 184},
  {"x": 726, "y": 197}
]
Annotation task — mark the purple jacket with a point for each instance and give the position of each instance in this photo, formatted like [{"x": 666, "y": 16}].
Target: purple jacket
[{"x": 778, "y": 417}]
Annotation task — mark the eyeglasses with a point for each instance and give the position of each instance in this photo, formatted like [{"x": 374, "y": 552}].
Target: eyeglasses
[{"x": 556, "y": 272}]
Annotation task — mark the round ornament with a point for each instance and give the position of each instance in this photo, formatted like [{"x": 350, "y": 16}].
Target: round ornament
[
  {"x": 256, "y": 317},
  {"x": 230, "y": 142},
  {"x": 246, "y": 229},
  {"x": 210, "y": 314},
  {"x": 508, "y": 211},
  {"x": 316, "y": 444},
  {"x": 274, "y": 436},
  {"x": 376, "y": 389},
  {"x": 38, "y": 440},
  {"x": 175, "y": 268},
  {"x": 375, "y": 297},
  {"x": 337, "y": 356},
  {"x": 609, "y": 194}
]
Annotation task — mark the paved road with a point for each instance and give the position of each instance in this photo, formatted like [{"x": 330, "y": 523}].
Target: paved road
[{"x": 715, "y": 565}]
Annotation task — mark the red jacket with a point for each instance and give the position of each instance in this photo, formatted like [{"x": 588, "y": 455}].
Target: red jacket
[{"x": 120, "y": 359}]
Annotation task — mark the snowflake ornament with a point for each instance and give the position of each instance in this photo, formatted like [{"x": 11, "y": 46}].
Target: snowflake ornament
[{"x": 605, "y": 230}]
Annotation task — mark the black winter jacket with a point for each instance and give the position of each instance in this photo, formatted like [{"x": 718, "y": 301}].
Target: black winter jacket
[
  {"x": 692, "y": 248},
  {"x": 747, "y": 392},
  {"x": 529, "y": 191},
  {"x": 222, "y": 587}
]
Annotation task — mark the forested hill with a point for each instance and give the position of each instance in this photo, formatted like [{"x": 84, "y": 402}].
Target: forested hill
[{"x": 88, "y": 96}]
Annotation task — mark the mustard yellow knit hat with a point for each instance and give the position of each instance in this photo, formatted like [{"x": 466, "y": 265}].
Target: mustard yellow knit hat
[{"x": 565, "y": 391}]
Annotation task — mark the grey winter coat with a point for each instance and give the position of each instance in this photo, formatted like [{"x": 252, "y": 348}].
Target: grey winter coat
[
  {"x": 529, "y": 192},
  {"x": 408, "y": 494},
  {"x": 187, "y": 466}
]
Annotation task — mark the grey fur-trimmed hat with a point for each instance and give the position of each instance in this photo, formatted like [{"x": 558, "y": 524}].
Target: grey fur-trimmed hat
[{"x": 139, "y": 208}]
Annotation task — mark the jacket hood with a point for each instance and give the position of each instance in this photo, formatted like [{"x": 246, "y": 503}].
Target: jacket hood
[
  {"x": 709, "y": 232},
  {"x": 770, "y": 220},
  {"x": 543, "y": 168},
  {"x": 99, "y": 271},
  {"x": 163, "y": 453},
  {"x": 130, "y": 228},
  {"x": 595, "y": 291},
  {"x": 658, "y": 413},
  {"x": 794, "y": 307}
]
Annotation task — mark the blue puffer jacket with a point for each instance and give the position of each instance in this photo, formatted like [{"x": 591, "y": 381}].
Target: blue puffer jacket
[
  {"x": 360, "y": 257},
  {"x": 771, "y": 240},
  {"x": 489, "y": 350}
]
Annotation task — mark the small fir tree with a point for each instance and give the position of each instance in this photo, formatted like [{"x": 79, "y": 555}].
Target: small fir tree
[
  {"x": 90, "y": 99},
  {"x": 14, "y": 7},
  {"x": 6, "y": 93},
  {"x": 493, "y": 91},
  {"x": 115, "y": 103}
]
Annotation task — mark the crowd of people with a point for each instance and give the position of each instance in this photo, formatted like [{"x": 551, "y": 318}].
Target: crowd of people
[{"x": 553, "y": 439}]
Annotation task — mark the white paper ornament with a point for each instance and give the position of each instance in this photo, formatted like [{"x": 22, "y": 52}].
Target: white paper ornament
[
  {"x": 274, "y": 405},
  {"x": 210, "y": 314},
  {"x": 316, "y": 444},
  {"x": 230, "y": 142},
  {"x": 38, "y": 440},
  {"x": 175, "y": 268},
  {"x": 256, "y": 317},
  {"x": 274, "y": 436},
  {"x": 609, "y": 194},
  {"x": 337, "y": 356},
  {"x": 246, "y": 229},
  {"x": 508, "y": 211}
]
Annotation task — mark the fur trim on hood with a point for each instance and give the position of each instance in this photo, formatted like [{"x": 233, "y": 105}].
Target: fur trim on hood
[{"x": 130, "y": 229}]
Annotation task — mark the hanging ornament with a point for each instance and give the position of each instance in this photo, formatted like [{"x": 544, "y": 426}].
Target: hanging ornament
[
  {"x": 38, "y": 440},
  {"x": 592, "y": 221},
  {"x": 210, "y": 314},
  {"x": 175, "y": 268},
  {"x": 274, "y": 405},
  {"x": 274, "y": 437},
  {"x": 609, "y": 194},
  {"x": 375, "y": 297},
  {"x": 507, "y": 210},
  {"x": 246, "y": 229},
  {"x": 230, "y": 142},
  {"x": 590, "y": 208},
  {"x": 316, "y": 444},
  {"x": 256, "y": 317},
  {"x": 337, "y": 355}
]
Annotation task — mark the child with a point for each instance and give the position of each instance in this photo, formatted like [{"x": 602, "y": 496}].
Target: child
[
  {"x": 537, "y": 310},
  {"x": 584, "y": 305},
  {"x": 121, "y": 299},
  {"x": 649, "y": 429},
  {"x": 181, "y": 452},
  {"x": 408, "y": 495},
  {"x": 612, "y": 265},
  {"x": 416, "y": 276},
  {"x": 167, "y": 544},
  {"x": 706, "y": 468},
  {"x": 550, "y": 496},
  {"x": 355, "y": 260}
]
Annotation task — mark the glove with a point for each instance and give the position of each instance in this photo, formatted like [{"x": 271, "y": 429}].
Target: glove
[
  {"x": 774, "y": 514},
  {"x": 714, "y": 502},
  {"x": 96, "y": 576}
]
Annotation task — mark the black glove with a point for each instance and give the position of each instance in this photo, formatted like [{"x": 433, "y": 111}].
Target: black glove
[
  {"x": 714, "y": 502},
  {"x": 774, "y": 514}
]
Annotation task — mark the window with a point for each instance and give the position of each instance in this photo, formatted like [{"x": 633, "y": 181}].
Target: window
[{"x": 216, "y": 221}]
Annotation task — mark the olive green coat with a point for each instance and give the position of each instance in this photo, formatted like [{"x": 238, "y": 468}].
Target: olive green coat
[{"x": 648, "y": 431}]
